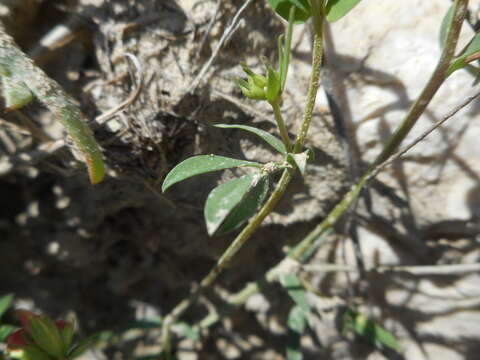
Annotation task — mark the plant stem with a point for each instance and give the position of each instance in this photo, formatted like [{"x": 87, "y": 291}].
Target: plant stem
[
  {"x": 417, "y": 108},
  {"x": 267, "y": 208},
  {"x": 438, "y": 77},
  {"x": 317, "y": 6},
  {"x": 281, "y": 124},
  {"x": 285, "y": 49},
  {"x": 18, "y": 67}
]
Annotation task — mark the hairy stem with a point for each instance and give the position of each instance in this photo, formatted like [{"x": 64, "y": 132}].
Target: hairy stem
[
  {"x": 417, "y": 108},
  {"x": 268, "y": 207},
  {"x": 317, "y": 6}
]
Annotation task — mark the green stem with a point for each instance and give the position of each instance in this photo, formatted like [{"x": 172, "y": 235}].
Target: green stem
[
  {"x": 266, "y": 209},
  {"x": 317, "y": 6},
  {"x": 417, "y": 108},
  {"x": 286, "y": 49},
  {"x": 281, "y": 124},
  {"x": 438, "y": 77}
]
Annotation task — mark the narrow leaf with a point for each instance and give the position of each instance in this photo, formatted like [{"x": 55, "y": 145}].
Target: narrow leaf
[
  {"x": 446, "y": 21},
  {"x": 370, "y": 330},
  {"x": 67, "y": 335},
  {"x": 33, "y": 352},
  {"x": 295, "y": 289},
  {"x": 273, "y": 141},
  {"x": 73, "y": 121},
  {"x": 336, "y": 9},
  {"x": 5, "y": 302},
  {"x": 80, "y": 348},
  {"x": 202, "y": 164},
  {"x": 230, "y": 204},
  {"x": 46, "y": 335},
  {"x": 303, "y": 10},
  {"x": 461, "y": 61},
  {"x": 5, "y": 330},
  {"x": 297, "y": 319}
]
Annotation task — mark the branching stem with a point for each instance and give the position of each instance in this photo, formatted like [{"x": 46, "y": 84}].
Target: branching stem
[
  {"x": 417, "y": 108},
  {"x": 274, "y": 198}
]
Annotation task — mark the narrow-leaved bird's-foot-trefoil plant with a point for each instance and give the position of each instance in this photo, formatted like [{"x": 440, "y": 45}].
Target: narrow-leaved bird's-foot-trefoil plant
[{"x": 230, "y": 205}]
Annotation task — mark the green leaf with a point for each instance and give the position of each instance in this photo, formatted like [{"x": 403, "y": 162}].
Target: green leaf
[
  {"x": 187, "y": 331},
  {"x": 5, "y": 302},
  {"x": 447, "y": 20},
  {"x": 5, "y": 330},
  {"x": 462, "y": 60},
  {"x": 46, "y": 335},
  {"x": 67, "y": 335},
  {"x": 33, "y": 352},
  {"x": 297, "y": 292},
  {"x": 81, "y": 347},
  {"x": 369, "y": 329},
  {"x": 230, "y": 204},
  {"x": 202, "y": 164},
  {"x": 297, "y": 319},
  {"x": 267, "y": 137},
  {"x": 303, "y": 10},
  {"x": 336, "y": 9}
]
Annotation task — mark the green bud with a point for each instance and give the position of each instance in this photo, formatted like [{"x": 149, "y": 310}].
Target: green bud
[
  {"x": 251, "y": 90},
  {"x": 274, "y": 84},
  {"x": 259, "y": 80}
]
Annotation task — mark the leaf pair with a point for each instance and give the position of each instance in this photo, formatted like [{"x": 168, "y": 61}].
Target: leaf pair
[
  {"x": 334, "y": 9},
  {"x": 230, "y": 204}
]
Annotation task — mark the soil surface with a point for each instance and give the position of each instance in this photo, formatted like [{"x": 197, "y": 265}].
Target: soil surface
[{"x": 121, "y": 252}]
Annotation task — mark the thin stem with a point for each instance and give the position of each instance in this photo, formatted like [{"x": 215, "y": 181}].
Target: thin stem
[
  {"x": 281, "y": 124},
  {"x": 286, "y": 49},
  {"x": 266, "y": 209},
  {"x": 228, "y": 255},
  {"x": 416, "y": 110},
  {"x": 315, "y": 77},
  {"x": 438, "y": 77}
]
